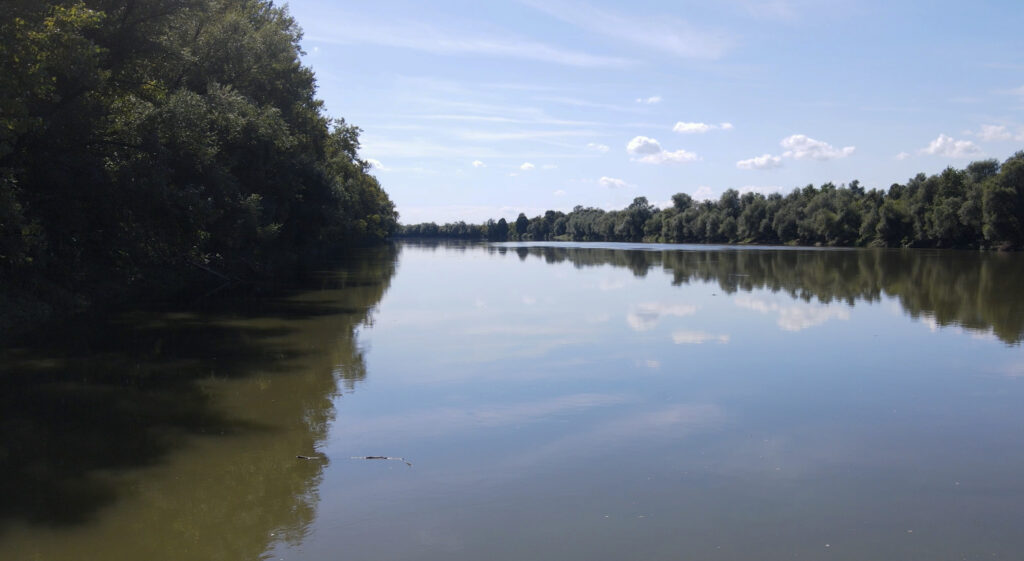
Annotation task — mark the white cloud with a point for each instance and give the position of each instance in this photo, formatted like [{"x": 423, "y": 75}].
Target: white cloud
[
  {"x": 644, "y": 317},
  {"x": 527, "y": 166},
  {"x": 650, "y": 151},
  {"x": 479, "y": 164},
  {"x": 766, "y": 161},
  {"x": 643, "y": 145},
  {"x": 613, "y": 183},
  {"x": 422, "y": 37},
  {"x": 763, "y": 189},
  {"x": 951, "y": 148},
  {"x": 649, "y": 100},
  {"x": 659, "y": 33},
  {"x": 697, "y": 337},
  {"x": 902, "y": 156},
  {"x": 800, "y": 147},
  {"x": 598, "y": 147},
  {"x": 375, "y": 164},
  {"x": 994, "y": 133},
  {"x": 559, "y": 193},
  {"x": 700, "y": 128},
  {"x": 691, "y": 127},
  {"x": 703, "y": 193},
  {"x": 666, "y": 157}
]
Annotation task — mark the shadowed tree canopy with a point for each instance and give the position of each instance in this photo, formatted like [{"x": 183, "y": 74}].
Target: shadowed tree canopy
[{"x": 141, "y": 137}]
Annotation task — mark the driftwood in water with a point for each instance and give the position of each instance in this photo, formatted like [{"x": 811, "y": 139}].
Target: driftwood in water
[{"x": 381, "y": 458}]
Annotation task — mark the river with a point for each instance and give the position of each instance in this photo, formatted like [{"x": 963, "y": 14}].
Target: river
[{"x": 543, "y": 401}]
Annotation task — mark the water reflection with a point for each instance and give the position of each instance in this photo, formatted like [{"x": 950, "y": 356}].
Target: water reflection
[
  {"x": 795, "y": 316},
  {"x": 697, "y": 337},
  {"x": 973, "y": 290},
  {"x": 173, "y": 433},
  {"x": 644, "y": 316},
  {"x": 685, "y": 403},
  {"x": 654, "y": 403}
]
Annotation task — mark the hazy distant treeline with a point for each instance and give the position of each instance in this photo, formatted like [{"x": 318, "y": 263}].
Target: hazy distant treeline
[
  {"x": 143, "y": 140},
  {"x": 981, "y": 206}
]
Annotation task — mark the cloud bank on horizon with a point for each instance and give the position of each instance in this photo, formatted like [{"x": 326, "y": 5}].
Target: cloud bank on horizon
[{"x": 529, "y": 105}]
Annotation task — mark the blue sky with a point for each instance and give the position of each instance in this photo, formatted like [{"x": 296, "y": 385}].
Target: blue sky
[{"x": 474, "y": 110}]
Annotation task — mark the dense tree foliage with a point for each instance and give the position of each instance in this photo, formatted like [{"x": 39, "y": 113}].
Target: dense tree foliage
[
  {"x": 143, "y": 137},
  {"x": 981, "y": 206}
]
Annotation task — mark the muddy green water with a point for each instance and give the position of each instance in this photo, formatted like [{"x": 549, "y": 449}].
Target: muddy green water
[{"x": 556, "y": 401}]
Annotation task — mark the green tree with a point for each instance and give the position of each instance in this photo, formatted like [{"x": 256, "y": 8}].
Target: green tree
[{"x": 522, "y": 225}]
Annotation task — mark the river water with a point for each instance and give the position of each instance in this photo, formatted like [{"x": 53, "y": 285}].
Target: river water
[{"x": 555, "y": 401}]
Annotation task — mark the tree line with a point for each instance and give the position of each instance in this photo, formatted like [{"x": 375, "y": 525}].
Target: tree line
[
  {"x": 142, "y": 141},
  {"x": 980, "y": 206}
]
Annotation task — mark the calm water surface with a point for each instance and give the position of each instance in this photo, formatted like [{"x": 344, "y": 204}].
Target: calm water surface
[{"x": 556, "y": 401}]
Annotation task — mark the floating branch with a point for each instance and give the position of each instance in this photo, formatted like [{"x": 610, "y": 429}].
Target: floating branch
[{"x": 381, "y": 458}]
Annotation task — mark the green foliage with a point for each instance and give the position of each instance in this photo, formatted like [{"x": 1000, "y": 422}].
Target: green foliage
[
  {"x": 981, "y": 206},
  {"x": 140, "y": 137}
]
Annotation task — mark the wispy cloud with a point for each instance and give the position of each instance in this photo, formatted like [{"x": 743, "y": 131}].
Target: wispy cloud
[
  {"x": 697, "y": 338},
  {"x": 417, "y": 148},
  {"x": 660, "y": 35},
  {"x": 523, "y": 135},
  {"x": 1013, "y": 91},
  {"x": 422, "y": 37},
  {"x": 577, "y": 102},
  {"x": 994, "y": 133},
  {"x": 771, "y": 9},
  {"x": 700, "y": 128},
  {"x": 649, "y": 100},
  {"x": 479, "y": 164},
  {"x": 598, "y": 147},
  {"x": 501, "y": 119}
]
